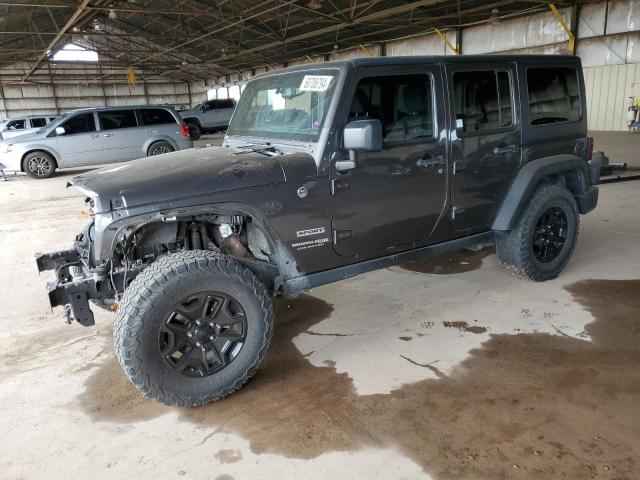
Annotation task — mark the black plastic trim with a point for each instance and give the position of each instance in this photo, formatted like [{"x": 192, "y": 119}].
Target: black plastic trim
[
  {"x": 300, "y": 284},
  {"x": 528, "y": 179}
]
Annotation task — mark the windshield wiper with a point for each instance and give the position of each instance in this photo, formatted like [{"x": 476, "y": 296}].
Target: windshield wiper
[{"x": 265, "y": 148}]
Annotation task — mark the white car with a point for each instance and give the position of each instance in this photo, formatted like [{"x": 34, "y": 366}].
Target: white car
[{"x": 12, "y": 127}]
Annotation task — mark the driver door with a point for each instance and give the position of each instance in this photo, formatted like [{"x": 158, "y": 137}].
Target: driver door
[{"x": 392, "y": 200}]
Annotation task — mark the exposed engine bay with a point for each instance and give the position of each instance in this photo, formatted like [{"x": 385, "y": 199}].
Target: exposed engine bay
[{"x": 80, "y": 278}]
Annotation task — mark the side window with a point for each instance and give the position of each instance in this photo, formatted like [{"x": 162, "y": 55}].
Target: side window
[
  {"x": 210, "y": 105},
  {"x": 16, "y": 124},
  {"x": 226, "y": 104},
  {"x": 404, "y": 105},
  {"x": 482, "y": 100},
  {"x": 156, "y": 116},
  {"x": 112, "y": 119},
  {"x": 81, "y": 123},
  {"x": 554, "y": 95},
  {"x": 38, "y": 122}
]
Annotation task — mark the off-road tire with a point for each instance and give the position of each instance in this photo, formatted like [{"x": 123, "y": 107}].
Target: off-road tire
[
  {"x": 151, "y": 295},
  {"x": 515, "y": 248},
  {"x": 159, "y": 148},
  {"x": 195, "y": 131},
  {"x": 39, "y": 165}
]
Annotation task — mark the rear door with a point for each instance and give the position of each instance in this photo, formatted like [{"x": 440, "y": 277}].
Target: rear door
[
  {"x": 122, "y": 138},
  {"x": 485, "y": 143},
  {"x": 225, "y": 111},
  {"x": 81, "y": 143},
  {"x": 396, "y": 196}
]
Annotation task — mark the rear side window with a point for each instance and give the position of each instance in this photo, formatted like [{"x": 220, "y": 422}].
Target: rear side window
[
  {"x": 554, "y": 95},
  {"x": 112, "y": 119},
  {"x": 38, "y": 122},
  {"x": 482, "y": 100},
  {"x": 156, "y": 116}
]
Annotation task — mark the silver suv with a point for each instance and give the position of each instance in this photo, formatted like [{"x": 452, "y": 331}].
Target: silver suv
[
  {"x": 12, "y": 127},
  {"x": 92, "y": 136},
  {"x": 208, "y": 117}
]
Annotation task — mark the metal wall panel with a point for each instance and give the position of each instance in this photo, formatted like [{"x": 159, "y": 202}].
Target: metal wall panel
[
  {"x": 608, "y": 88},
  {"x": 424, "y": 45}
]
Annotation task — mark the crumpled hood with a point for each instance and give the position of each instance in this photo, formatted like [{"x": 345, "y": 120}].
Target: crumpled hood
[{"x": 177, "y": 175}]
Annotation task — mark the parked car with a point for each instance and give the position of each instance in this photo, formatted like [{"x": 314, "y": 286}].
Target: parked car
[
  {"x": 327, "y": 171},
  {"x": 208, "y": 117},
  {"x": 12, "y": 127},
  {"x": 91, "y": 136}
]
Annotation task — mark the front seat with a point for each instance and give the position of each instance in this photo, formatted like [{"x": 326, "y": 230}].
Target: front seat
[
  {"x": 360, "y": 106},
  {"x": 416, "y": 122}
]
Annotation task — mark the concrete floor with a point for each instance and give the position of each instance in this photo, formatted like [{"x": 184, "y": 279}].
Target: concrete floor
[{"x": 446, "y": 369}]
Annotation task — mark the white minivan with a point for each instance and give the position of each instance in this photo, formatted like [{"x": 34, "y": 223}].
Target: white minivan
[{"x": 12, "y": 127}]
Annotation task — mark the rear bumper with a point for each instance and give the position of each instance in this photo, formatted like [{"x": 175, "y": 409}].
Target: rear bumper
[{"x": 588, "y": 200}]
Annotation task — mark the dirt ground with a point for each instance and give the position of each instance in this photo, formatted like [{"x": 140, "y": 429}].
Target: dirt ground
[{"x": 442, "y": 369}]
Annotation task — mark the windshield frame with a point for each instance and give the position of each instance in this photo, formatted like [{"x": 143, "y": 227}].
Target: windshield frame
[{"x": 336, "y": 88}]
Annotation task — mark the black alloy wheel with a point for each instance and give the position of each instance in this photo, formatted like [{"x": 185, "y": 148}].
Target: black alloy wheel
[
  {"x": 550, "y": 235},
  {"x": 203, "y": 333}
]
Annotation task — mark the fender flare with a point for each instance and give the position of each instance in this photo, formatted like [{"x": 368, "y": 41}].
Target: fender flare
[
  {"x": 530, "y": 176},
  {"x": 272, "y": 274}
]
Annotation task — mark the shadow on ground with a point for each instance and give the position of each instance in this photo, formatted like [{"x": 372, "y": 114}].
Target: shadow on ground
[{"x": 527, "y": 405}]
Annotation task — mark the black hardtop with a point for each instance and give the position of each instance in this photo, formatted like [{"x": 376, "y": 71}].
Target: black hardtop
[{"x": 427, "y": 59}]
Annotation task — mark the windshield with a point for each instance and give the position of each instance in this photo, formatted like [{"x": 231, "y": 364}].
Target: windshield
[
  {"x": 52, "y": 124},
  {"x": 289, "y": 105}
]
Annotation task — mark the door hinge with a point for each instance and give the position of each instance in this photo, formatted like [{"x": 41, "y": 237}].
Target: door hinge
[
  {"x": 456, "y": 210},
  {"x": 341, "y": 235},
  {"x": 338, "y": 185}
]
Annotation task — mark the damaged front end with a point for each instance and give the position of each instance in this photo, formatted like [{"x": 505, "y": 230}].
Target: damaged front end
[{"x": 78, "y": 281}]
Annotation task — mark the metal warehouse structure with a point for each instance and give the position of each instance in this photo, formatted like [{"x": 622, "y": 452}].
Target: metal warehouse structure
[{"x": 180, "y": 51}]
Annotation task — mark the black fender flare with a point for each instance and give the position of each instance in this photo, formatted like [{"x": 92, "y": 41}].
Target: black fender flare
[{"x": 530, "y": 176}]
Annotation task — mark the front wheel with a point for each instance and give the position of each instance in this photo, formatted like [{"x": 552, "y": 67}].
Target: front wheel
[
  {"x": 39, "y": 165},
  {"x": 543, "y": 239},
  {"x": 192, "y": 328}
]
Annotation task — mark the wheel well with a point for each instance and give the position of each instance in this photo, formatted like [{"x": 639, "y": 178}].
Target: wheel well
[
  {"x": 159, "y": 141},
  {"x": 193, "y": 120},
  {"x": 55, "y": 161}
]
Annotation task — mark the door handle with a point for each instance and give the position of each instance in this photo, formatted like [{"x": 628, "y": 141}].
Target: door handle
[
  {"x": 505, "y": 150},
  {"x": 95, "y": 136},
  {"x": 437, "y": 161},
  {"x": 107, "y": 134}
]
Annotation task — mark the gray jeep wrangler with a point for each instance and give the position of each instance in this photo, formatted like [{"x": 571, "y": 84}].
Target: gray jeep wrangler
[{"x": 327, "y": 171}]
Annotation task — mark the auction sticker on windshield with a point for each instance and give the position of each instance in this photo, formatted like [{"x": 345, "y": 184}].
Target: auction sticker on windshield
[{"x": 315, "y": 83}]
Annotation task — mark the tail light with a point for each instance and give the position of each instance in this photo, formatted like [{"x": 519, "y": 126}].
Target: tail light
[
  {"x": 184, "y": 130},
  {"x": 589, "y": 148}
]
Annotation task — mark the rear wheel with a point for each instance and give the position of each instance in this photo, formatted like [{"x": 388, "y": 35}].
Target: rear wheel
[
  {"x": 160, "y": 148},
  {"x": 195, "y": 132},
  {"x": 193, "y": 327},
  {"x": 39, "y": 165},
  {"x": 542, "y": 241}
]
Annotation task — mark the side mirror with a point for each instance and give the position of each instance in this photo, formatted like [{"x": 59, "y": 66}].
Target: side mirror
[
  {"x": 360, "y": 136},
  {"x": 60, "y": 131}
]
